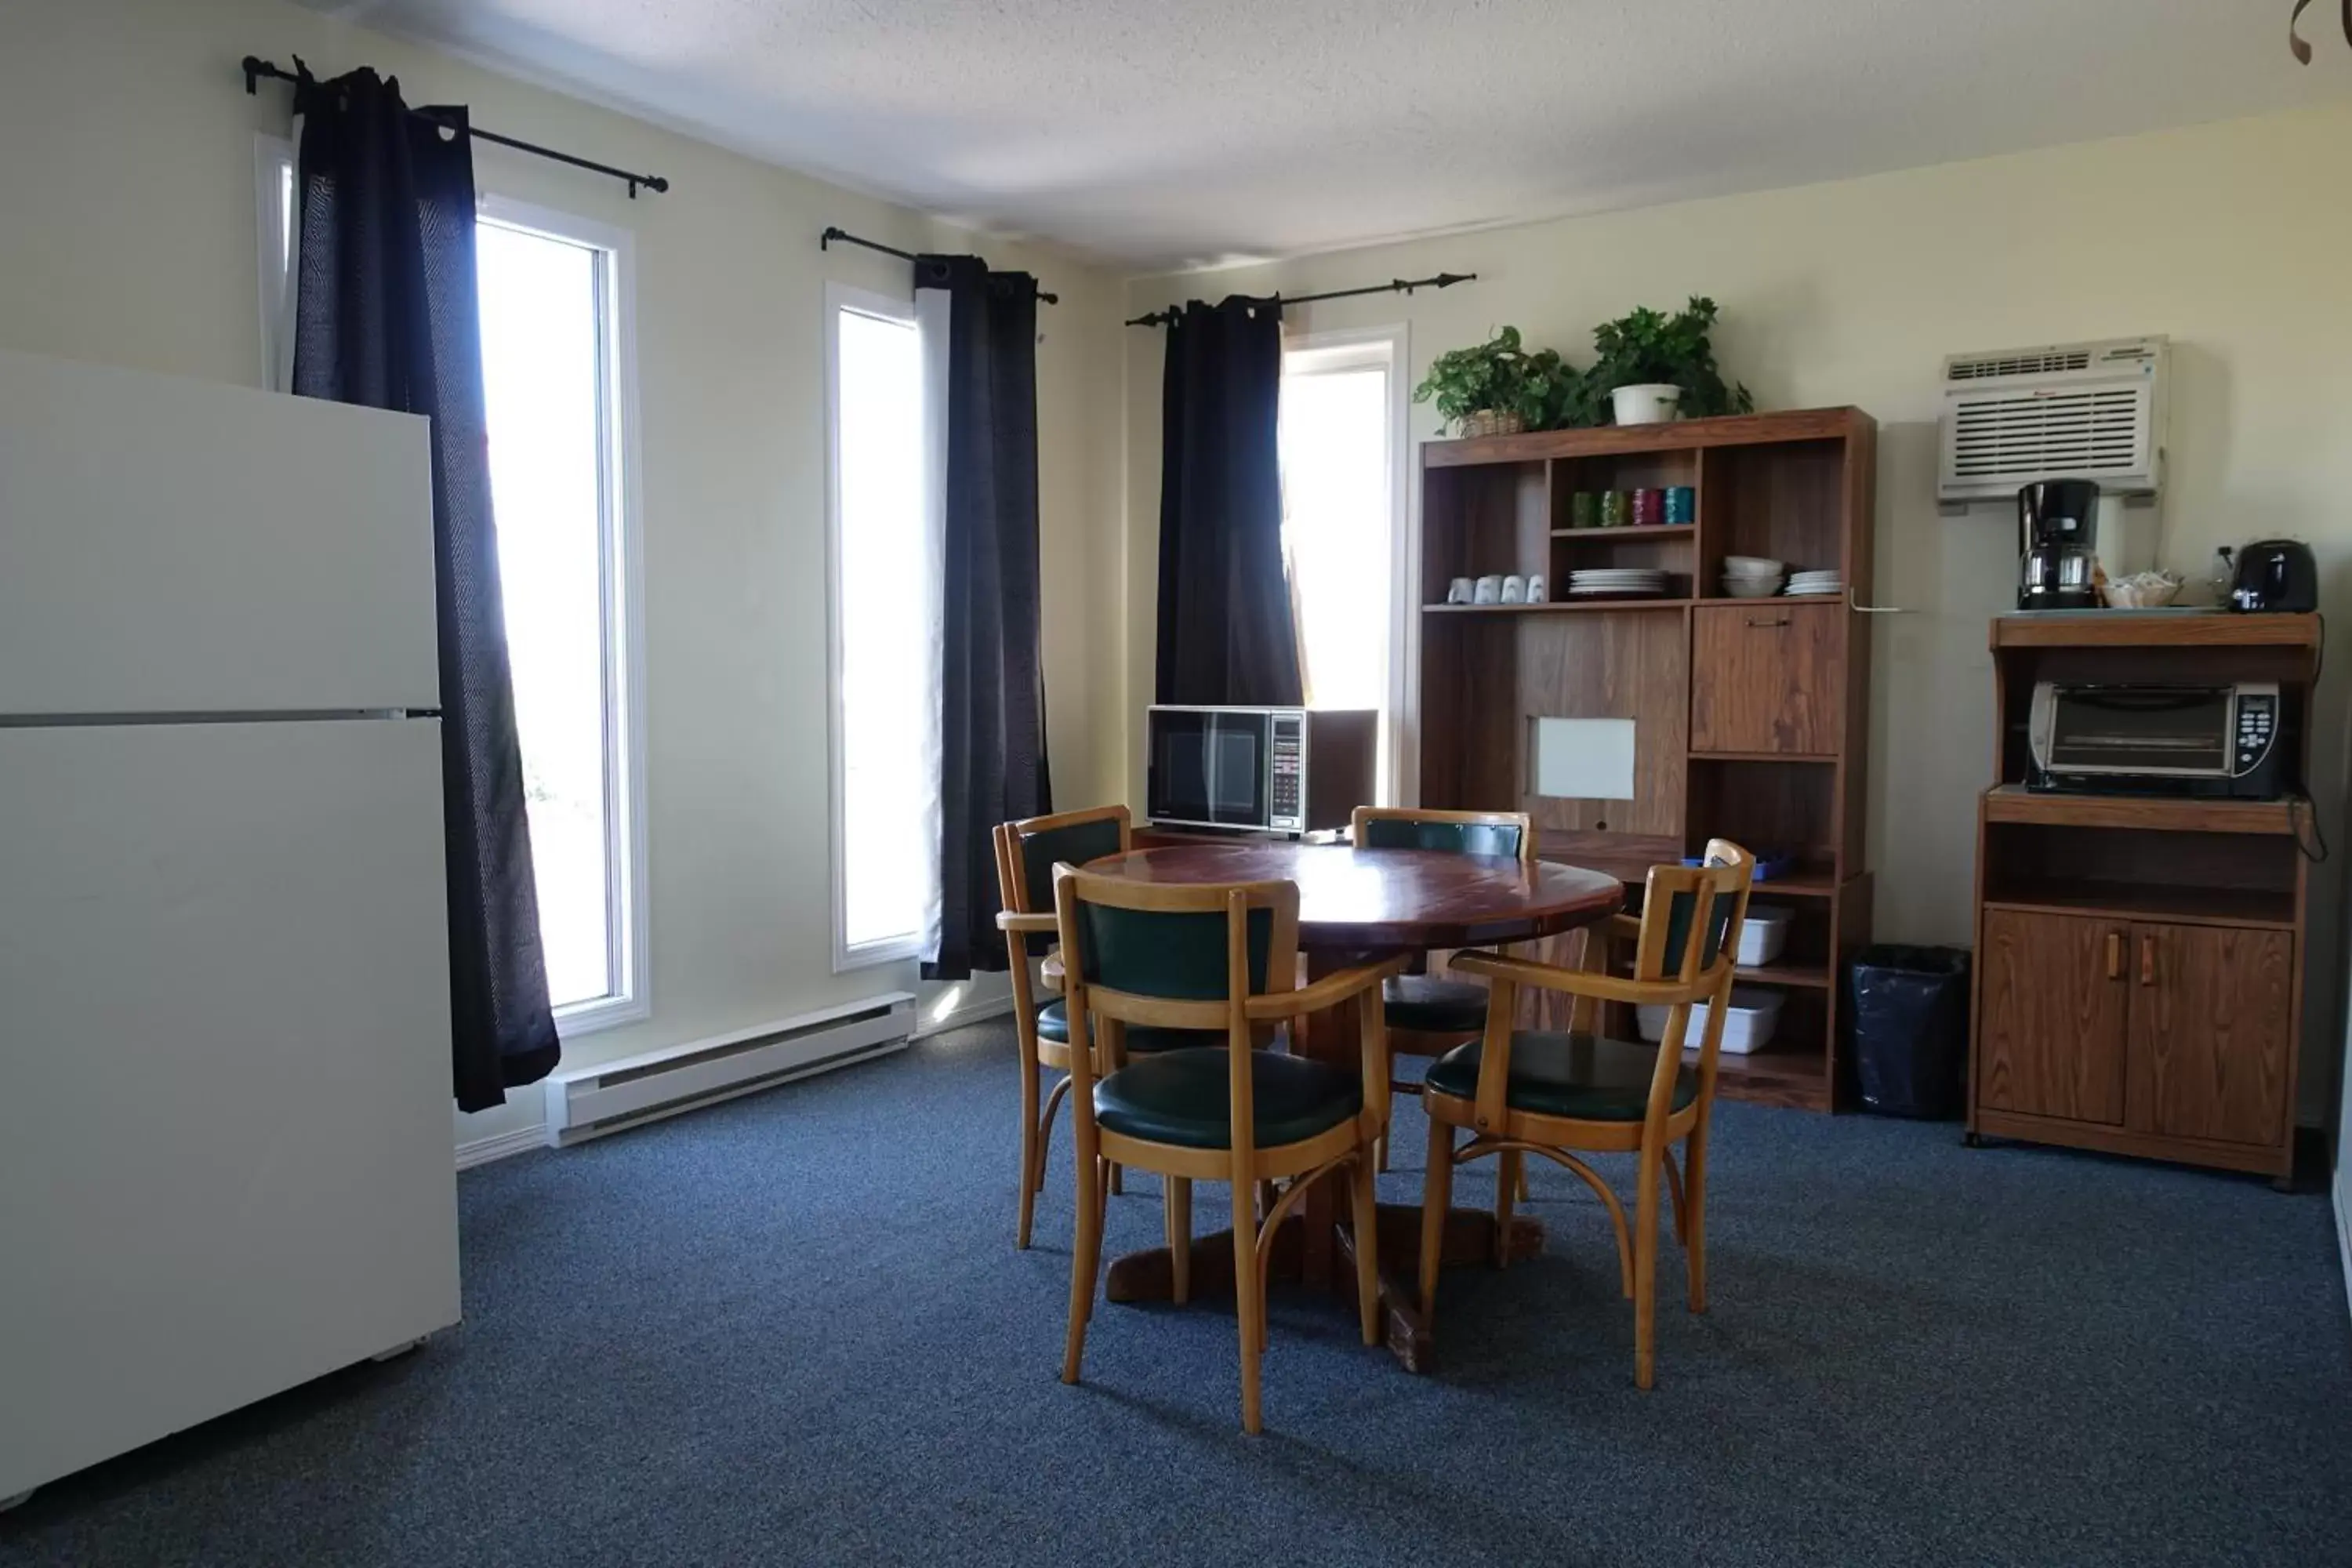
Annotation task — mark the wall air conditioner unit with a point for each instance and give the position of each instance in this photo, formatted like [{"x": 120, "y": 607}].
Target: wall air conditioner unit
[{"x": 2066, "y": 411}]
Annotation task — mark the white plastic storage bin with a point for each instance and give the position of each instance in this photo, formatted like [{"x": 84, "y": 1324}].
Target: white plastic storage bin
[
  {"x": 1763, "y": 934},
  {"x": 1755, "y": 1013}
]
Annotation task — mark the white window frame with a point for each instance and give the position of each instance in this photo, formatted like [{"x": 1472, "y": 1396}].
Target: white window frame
[
  {"x": 846, "y": 956},
  {"x": 1352, "y": 348},
  {"x": 621, "y": 566},
  {"x": 627, "y": 887}
]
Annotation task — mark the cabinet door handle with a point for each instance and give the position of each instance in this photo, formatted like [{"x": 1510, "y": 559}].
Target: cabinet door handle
[
  {"x": 1774, "y": 621},
  {"x": 2146, "y": 960},
  {"x": 2114, "y": 955}
]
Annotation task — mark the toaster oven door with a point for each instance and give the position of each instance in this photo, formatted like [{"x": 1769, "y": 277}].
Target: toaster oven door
[{"x": 2176, "y": 732}]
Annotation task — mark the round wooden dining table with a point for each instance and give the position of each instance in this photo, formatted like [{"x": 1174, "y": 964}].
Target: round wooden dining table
[{"x": 1356, "y": 905}]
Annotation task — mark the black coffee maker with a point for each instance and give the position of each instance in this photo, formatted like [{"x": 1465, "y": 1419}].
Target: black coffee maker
[{"x": 2057, "y": 523}]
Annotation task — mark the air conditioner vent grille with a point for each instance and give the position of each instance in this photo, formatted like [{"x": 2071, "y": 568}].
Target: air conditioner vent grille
[
  {"x": 2019, "y": 364},
  {"x": 2087, "y": 432}
]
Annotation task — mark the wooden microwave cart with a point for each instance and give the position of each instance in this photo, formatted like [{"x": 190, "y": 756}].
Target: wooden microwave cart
[
  {"x": 2140, "y": 961},
  {"x": 1751, "y": 715}
]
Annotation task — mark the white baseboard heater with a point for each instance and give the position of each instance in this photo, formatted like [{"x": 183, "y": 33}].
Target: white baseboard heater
[{"x": 588, "y": 1102}]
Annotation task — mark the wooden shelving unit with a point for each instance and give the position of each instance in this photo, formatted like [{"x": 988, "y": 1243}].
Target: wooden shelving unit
[
  {"x": 2140, "y": 961},
  {"x": 1750, "y": 715}
]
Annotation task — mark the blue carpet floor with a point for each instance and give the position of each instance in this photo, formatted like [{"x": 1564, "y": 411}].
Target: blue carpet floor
[{"x": 793, "y": 1329}]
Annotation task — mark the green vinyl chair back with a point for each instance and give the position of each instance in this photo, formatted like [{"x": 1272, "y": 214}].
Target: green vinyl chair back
[
  {"x": 1710, "y": 898},
  {"x": 1505, "y": 833},
  {"x": 1072, "y": 838},
  {"x": 1170, "y": 954}
]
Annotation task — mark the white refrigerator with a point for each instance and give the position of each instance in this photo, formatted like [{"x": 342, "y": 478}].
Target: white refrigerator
[{"x": 225, "y": 1150}]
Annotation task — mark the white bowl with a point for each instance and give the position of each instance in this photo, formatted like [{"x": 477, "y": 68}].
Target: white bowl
[
  {"x": 1753, "y": 566},
  {"x": 1751, "y": 587}
]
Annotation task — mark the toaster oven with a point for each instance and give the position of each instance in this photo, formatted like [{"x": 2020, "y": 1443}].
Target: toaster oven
[{"x": 2221, "y": 740}]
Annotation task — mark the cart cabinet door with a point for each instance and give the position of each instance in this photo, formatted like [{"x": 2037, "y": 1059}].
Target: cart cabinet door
[
  {"x": 2212, "y": 1014},
  {"x": 2055, "y": 996},
  {"x": 1765, "y": 677}
]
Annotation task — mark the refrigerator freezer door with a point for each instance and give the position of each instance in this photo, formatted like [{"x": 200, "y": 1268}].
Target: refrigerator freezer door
[
  {"x": 226, "y": 1164},
  {"x": 171, "y": 546}
]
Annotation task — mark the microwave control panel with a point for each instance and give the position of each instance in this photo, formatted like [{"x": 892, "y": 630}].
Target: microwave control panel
[
  {"x": 2257, "y": 726},
  {"x": 1286, "y": 775}
]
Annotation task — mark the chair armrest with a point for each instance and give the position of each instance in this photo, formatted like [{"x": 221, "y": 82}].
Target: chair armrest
[
  {"x": 1626, "y": 926},
  {"x": 1584, "y": 982},
  {"x": 1328, "y": 991},
  {"x": 1034, "y": 925}
]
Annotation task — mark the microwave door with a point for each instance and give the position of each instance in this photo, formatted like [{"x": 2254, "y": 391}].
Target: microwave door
[{"x": 1234, "y": 753}]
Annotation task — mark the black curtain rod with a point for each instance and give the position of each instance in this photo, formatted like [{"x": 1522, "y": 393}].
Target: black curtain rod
[
  {"x": 825, "y": 242},
  {"x": 256, "y": 68},
  {"x": 1394, "y": 286}
]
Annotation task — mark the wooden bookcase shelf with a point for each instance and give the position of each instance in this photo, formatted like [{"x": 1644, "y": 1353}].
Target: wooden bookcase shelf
[
  {"x": 1750, "y": 716},
  {"x": 2139, "y": 963}
]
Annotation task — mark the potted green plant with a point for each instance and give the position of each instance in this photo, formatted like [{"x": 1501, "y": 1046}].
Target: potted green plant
[
  {"x": 1497, "y": 387},
  {"x": 1651, "y": 367}
]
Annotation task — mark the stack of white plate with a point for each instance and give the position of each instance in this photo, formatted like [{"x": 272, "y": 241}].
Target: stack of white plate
[
  {"x": 1752, "y": 576},
  {"x": 1806, "y": 585},
  {"x": 1616, "y": 583}
]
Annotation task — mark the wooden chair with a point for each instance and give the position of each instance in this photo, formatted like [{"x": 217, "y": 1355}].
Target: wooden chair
[
  {"x": 1524, "y": 1091},
  {"x": 1026, "y": 854},
  {"x": 1143, "y": 955},
  {"x": 1428, "y": 1015}
]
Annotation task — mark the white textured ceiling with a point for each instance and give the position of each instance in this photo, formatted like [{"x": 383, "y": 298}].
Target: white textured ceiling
[{"x": 1158, "y": 133}]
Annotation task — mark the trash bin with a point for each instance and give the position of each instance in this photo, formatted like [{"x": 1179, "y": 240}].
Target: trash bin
[{"x": 1909, "y": 1006}]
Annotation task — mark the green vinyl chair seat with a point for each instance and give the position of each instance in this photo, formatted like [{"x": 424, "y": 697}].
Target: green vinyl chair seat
[
  {"x": 1185, "y": 1098},
  {"x": 1053, "y": 1023},
  {"x": 1426, "y": 1004},
  {"x": 1587, "y": 1077}
]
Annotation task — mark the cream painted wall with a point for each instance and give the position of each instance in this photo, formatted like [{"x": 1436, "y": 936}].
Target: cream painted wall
[
  {"x": 2232, "y": 238},
  {"x": 128, "y": 238}
]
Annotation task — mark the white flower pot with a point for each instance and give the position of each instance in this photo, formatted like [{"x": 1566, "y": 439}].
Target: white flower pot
[{"x": 1650, "y": 403}]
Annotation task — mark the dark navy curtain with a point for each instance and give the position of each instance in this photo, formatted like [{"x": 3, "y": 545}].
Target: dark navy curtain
[
  {"x": 993, "y": 764},
  {"x": 384, "y": 315},
  {"x": 1226, "y": 628}
]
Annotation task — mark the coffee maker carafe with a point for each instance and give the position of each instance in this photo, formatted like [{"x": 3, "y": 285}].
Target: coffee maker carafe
[{"x": 2057, "y": 523}]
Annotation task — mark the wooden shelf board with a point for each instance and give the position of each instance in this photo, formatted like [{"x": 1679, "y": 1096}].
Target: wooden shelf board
[
  {"x": 2121, "y": 628},
  {"x": 2015, "y": 803},
  {"x": 1805, "y": 882},
  {"x": 1816, "y": 976},
  {"x": 1763, "y": 756},
  {"x": 1556, "y": 607},
  {"x": 1682, "y": 434},
  {"x": 2168, "y": 903},
  {"x": 1630, "y": 534}
]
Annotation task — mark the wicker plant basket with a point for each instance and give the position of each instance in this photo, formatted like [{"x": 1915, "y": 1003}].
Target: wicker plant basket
[{"x": 1492, "y": 422}]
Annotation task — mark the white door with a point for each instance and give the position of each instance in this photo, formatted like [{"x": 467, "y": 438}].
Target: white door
[
  {"x": 171, "y": 546},
  {"x": 225, "y": 1156}
]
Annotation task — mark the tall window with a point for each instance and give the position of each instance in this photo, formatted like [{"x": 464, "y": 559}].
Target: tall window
[
  {"x": 552, "y": 380},
  {"x": 1338, "y": 448},
  {"x": 884, "y": 785},
  {"x": 554, "y": 324}
]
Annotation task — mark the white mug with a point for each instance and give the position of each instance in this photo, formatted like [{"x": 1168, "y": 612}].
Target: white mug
[
  {"x": 1515, "y": 589},
  {"x": 1458, "y": 591},
  {"x": 1490, "y": 591},
  {"x": 1535, "y": 588}
]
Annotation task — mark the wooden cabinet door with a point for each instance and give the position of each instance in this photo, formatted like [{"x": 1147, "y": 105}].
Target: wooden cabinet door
[
  {"x": 2050, "y": 1039},
  {"x": 2212, "y": 1013},
  {"x": 1766, "y": 676}
]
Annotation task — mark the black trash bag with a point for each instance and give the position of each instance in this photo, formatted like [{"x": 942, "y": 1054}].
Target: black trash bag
[{"x": 1909, "y": 1007}]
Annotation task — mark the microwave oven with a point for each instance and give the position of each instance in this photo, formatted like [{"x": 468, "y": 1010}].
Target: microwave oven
[
  {"x": 1271, "y": 769},
  {"x": 2220, "y": 739}
]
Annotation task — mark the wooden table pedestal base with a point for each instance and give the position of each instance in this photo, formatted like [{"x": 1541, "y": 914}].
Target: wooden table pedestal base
[{"x": 1469, "y": 1239}]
